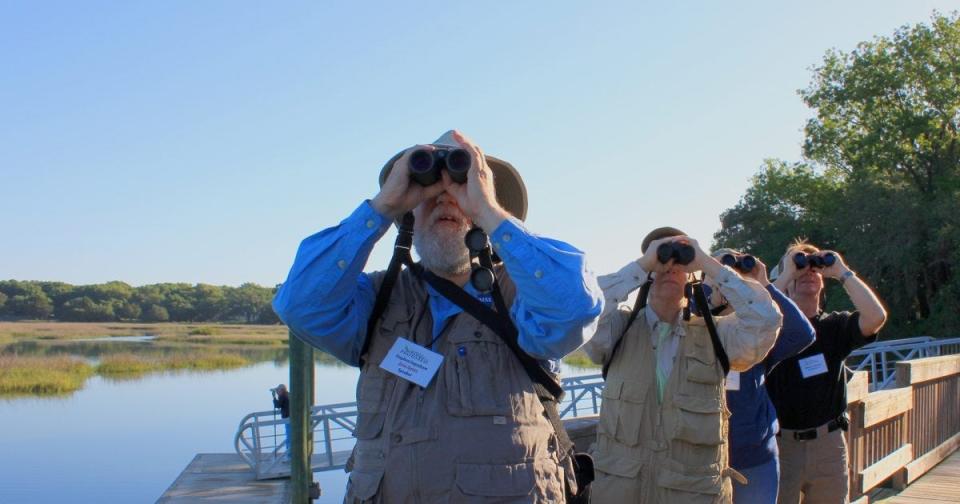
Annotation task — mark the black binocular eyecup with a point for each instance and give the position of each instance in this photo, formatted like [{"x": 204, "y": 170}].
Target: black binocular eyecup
[
  {"x": 427, "y": 165},
  {"x": 482, "y": 279},
  {"x": 476, "y": 240},
  {"x": 681, "y": 252},
  {"x": 744, "y": 263},
  {"x": 801, "y": 260}
]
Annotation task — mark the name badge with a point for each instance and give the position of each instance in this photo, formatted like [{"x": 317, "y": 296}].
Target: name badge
[
  {"x": 813, "y": 365},
  {"x": 412, "y": 362},
  {"x": 733, "y": 381}
]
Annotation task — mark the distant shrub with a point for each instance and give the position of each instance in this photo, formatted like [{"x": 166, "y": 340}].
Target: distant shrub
[{"x": 204, "y": 331}]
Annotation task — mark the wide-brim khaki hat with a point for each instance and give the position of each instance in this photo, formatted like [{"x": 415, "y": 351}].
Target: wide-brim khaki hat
[{"x": 511, "y": 191}]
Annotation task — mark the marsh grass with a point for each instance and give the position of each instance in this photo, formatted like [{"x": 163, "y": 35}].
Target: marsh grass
[
  {"x": 204, "y": 331},
  {"x": 132, "y": 366},
  {"x": 580, "y": 359},
  {"x": 26, "y": 331},
  {"x": 42, "y": 375},
  {"x": 46, "y": 358}
]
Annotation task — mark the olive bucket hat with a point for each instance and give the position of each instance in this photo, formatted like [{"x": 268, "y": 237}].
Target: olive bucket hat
[{"x": 511, "y": 191}]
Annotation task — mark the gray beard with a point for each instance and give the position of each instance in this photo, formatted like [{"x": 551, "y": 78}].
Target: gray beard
[{"x": 445, "y": 255}]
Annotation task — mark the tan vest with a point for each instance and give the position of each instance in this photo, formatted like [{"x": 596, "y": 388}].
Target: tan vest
[
  {"x": 674, "y": 452},
  {"x": 477, "y": 433}
]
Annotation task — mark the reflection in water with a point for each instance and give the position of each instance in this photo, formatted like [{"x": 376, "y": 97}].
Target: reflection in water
[
  {"x": 95, "y": 349},
  {"x": 116, "y": 339},
  {"x": 126, "y": 441}
]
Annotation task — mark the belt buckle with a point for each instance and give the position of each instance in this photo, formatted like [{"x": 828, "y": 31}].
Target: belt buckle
[{"x": 805, "y": 435}]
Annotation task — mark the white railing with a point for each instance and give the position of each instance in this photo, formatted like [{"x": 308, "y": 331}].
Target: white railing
[
  {"x": 880, "y": 358},
  {"x": 260, "y": 437}
]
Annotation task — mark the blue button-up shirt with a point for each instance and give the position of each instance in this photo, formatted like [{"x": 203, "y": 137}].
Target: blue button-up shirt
[
  {"x": 753, "y": 420},
  {"x": 327, "y": 298}
]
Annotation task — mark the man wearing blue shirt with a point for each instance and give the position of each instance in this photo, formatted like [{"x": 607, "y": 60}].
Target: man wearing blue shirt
[
  {"x": 753, "y": 420},
  {"x": 468, "y": 425}
]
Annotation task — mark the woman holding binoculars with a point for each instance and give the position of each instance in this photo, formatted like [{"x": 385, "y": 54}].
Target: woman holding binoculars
[
  {"x": 663, "y": 422},
  {"x": 753, "y": 419}
]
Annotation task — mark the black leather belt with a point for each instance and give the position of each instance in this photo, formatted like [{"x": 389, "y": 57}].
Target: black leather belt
[{"x": 808, "y": 434}]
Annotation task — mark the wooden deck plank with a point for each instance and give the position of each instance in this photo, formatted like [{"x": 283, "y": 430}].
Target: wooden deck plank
[
  {"x": 223, "y": 477},
  {"x": 941, "y": 484}
]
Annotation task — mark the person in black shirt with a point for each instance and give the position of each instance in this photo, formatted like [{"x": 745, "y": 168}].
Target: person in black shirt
[
  {"x": 809, "y": 389},
  {"x": 281, "y": 401}
]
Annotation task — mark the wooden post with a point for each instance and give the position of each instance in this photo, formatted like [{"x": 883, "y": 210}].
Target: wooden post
[{"x": 301, "y": 433}]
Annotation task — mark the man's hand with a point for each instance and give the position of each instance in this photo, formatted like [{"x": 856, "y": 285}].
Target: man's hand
[
  {"x": 700, "y": 259},
  {"x": 478, "y": 197},
  {"x": 399, "y": 193},
  {"x": 649, "y": 261},
  {"x": 837, "y": 269},
  {"x": 759, "y": 273},
  {"x": 789, "y": 272}
]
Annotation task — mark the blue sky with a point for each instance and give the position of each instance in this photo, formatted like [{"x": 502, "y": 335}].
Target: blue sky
[{"x": 201, "y": 141}]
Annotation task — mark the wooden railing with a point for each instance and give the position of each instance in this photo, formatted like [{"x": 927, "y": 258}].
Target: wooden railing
[{"x": 903, "y": 432}]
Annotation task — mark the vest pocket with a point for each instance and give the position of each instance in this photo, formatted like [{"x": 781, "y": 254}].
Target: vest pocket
[
  {"x": 476, "y": 380},
  {"x": 362, "y": 486},
  {"x": 535, "y": 481},
  {"x": 698, "y": 420},
  {"x": 702, "y": 366},
  {"x": 623, "y": 403},
  {"x": 678, "y": 483},
  {"x": 365, "y": 465},
  {"x": 624, "y": 467},
  {"x": 371, "y": 403}
]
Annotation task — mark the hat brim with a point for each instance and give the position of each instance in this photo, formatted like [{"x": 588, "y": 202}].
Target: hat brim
[
  {"x": 656, "y": 234},
  {"x": 511, "y": 191}
]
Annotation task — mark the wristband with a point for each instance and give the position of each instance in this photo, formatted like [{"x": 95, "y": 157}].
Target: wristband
[{"x": 846, "y": 274}]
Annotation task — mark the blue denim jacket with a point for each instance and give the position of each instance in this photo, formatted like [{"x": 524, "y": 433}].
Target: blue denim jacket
[{"x": 753, "y": 423}]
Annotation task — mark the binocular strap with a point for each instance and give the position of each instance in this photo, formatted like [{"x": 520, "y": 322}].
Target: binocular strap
[{"x": 701, "y": 300}]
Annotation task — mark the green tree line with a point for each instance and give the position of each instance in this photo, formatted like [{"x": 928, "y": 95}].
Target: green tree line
[
  {"x": 880, "y": 176},
  {"x": 118, "y": 301}
]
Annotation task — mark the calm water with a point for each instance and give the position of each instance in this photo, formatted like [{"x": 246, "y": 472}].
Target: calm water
[{"x": 126, "y": 441}]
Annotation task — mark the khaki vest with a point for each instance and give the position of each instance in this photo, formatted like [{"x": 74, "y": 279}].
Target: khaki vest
[
  {"x": 674, "y": 452},
  {"x": 477, "y": 433}
]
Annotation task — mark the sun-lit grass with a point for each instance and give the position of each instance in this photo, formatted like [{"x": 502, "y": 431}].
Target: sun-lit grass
[
  {"x": 126, "y": 364},
  {"x": 57, "y": 365},
  {"x": 204, "y": 331},
  {"x": 580, "y": 359},
  {"x": 25, "y": 331},
  {"x": 42, "y": 375},
  {"x": 130, "y": 365}
]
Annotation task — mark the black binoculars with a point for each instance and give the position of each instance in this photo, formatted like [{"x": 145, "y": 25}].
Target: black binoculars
[
  {"x": 744, "y": 263},
  {"x": 802, "y": 260},
  {"x": 681, "y": 252},
  {"x": 426, "y": 165},
  {"x": 481, "y": 277}
]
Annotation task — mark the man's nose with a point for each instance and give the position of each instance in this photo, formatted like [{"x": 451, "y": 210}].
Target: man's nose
[{"x": 445, "y": 198}]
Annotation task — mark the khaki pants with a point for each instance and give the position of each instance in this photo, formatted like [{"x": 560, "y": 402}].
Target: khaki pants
[{"x": 813, "y": 471}]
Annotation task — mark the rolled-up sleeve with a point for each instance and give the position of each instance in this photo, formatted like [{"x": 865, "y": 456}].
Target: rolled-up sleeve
[
  {"x": 327, "y": 298},
  {"x": 558, "y": 300},
  {"x": 616, "y": 289},
  {"x": 750, "y": 332}
]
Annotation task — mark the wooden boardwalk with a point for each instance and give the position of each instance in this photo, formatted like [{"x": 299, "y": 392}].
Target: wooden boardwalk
[
  {"x": 223, "y": 477},
  {"x": 940, "y": 485}
]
